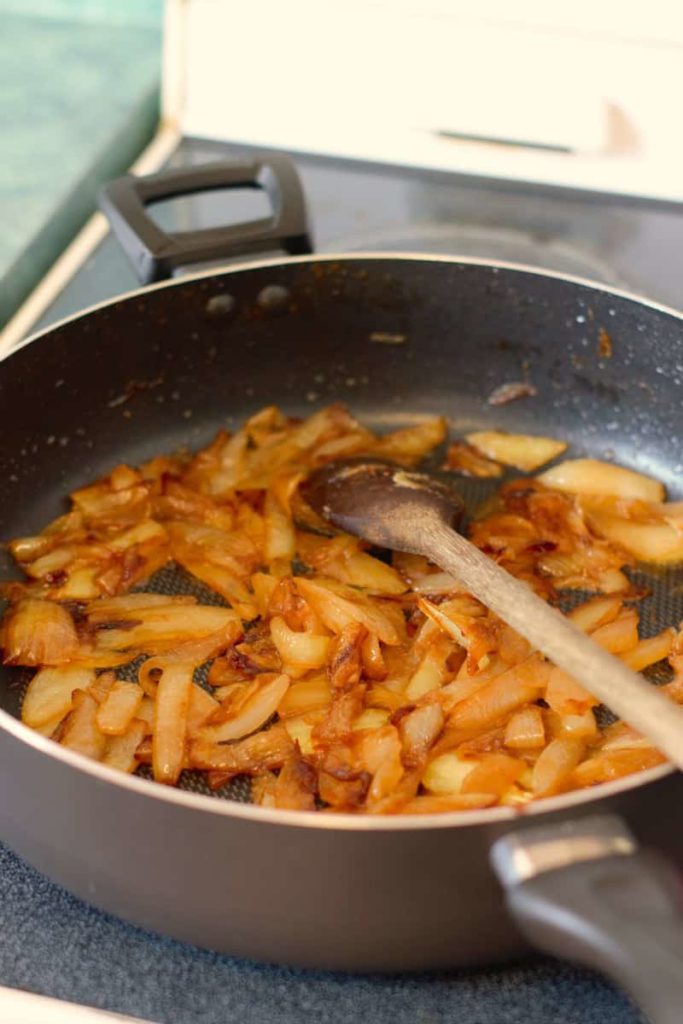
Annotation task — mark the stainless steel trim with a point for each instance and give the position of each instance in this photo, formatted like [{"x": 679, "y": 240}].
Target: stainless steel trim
[{"x": 522, "y": 855}]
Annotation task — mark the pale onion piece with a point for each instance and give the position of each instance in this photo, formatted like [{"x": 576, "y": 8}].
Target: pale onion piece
[
  {"x": 376, "y": 746},
  {"x": 49, "y": 728},
  {"x": 606, "y": 765},
  {"x": 283, "y": 488},
  {"x": 98, "y": 501},
  {"x": 466, "y": 685},
  {"x": 565, "y": 696},
  {"x": 170, "y": 722},
  {"x": 159, "y": 628},
  {"x": 579, "y": 727},
  {"x": 515, "y": 796},
  {"x": 122, "y": 477},
  {"x": 254, "y": 713},
  {"x": 101, "y": 686},
  {"x": 672, "y": 513},
  {"x": 436, "y": 615},
  {"x": 343, "y": 447},
  {"x": 628, "y": 741},
  {"x": 362, "y": 570},
  {"x": 80, "y": 729},
  {"x": 263, "y": 751},
  {"x": 299, "y": 651},
  {"x": 53, "y": 561},
  {"x": 202, "y": 707},
  {"x": 380, "y": 755},
  {"x": 411, "y": 444},
  {"x": 419, "y": 730},
  {"x": 127, "y": 606},
  {"x": 39, "y": 633},
  {"x": 464, "y": 459},
  {"x": 525, "y": 729},
  {"x": 519, "y": 685},
  {"x": 142, "y": 532},
  {"x": 371, "y": 718},
  {"x": 49, "y": 694},
  {"x": 231, "y": 467},
  {"x": 523, "y": 451},
  {"x": 591, "y": 476},
  {"x": 146, "y": 713},
  {"x": 280, "y": 539},
  {"x": 434, "y": 583},
  {"x": 483, "y": 674},
  {"x": 263, "y": 585},
  {"x": 428, "y": 804},
  {"x": 493, "y": 773},
  {"x": 88, "y": 657},
  {"x": 119, "y": 708},
  {"x": 612, "y": 581},
  {"x": 192, "y": 652},
  {"x": 650, "y": 651},
  {"x": 304, "y": 696},
  {"x": 81, "y": 584},
  {"x": 446, "y": 773},
  {"x": 334, "y": 419},
  {"x": 595, "y": 612},
  {"x": 555, "y": 764},
  {"x": 300, "y": 732},
  {"x": 223, "y": 581},
  {"x": 374, "y": 666},
  {"x": 233, "y": 550},
  {"x": 657, "y": 543},
  {"x": 338, "y": 605},
  {"x": 221, "y": 693},
  {"x": 428, "y": 676},
  {"x": 296, "y": 785},
  {"x": 120, "y": 750},
  {"x": 27, "y": 549},
  {"x": 620, "y": 635}
]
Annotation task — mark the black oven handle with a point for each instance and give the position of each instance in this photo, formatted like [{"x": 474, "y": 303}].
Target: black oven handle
[{"x": 157, "y": 254}]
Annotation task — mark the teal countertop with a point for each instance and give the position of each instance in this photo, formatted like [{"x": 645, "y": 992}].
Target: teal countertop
[{"x": 78, "y": 102}]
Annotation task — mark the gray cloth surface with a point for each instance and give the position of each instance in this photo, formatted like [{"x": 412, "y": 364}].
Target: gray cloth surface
[{"x": 54, "y": 944}]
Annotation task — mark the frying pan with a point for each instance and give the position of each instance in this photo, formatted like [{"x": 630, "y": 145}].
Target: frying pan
[{"x": 582, "y": 874}]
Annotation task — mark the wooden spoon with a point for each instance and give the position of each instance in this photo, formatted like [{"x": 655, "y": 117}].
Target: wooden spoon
[{"x": 413, "y": 512}]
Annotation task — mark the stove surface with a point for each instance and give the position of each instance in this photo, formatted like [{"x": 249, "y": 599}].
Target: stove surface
[
  {"x": 54, "y": 944},
  {"x": 353, "y": 207}
]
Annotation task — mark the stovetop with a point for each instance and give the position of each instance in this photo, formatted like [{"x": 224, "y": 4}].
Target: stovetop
[
  {"x": 54, "y": 944},
  {"x": 624, "y": 243}
]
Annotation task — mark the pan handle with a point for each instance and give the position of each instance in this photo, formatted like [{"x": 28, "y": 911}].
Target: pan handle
[
  {"x": 583, "y": 890},
  {"x": 156, "y": 254}
]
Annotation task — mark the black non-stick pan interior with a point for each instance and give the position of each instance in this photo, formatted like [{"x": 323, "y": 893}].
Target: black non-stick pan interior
[{"x": 395, "y": 339}]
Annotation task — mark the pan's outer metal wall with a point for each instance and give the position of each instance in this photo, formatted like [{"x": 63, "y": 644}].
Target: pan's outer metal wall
[{"x": 314, "y": 897}]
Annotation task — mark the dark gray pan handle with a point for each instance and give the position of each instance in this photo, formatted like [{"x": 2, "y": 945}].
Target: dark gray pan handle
[
  {"x": 155, "y": 253},
  {"x": 584, "y": 891}
]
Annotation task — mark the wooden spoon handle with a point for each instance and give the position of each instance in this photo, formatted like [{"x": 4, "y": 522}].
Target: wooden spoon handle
[{"x": 625, "y": 692}]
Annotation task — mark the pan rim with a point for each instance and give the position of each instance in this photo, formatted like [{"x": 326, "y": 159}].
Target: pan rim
[
  {"x": 331, "y": 822},
  {"x": 337, "y": 822},
  {"x": 333, "y": 257}
]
